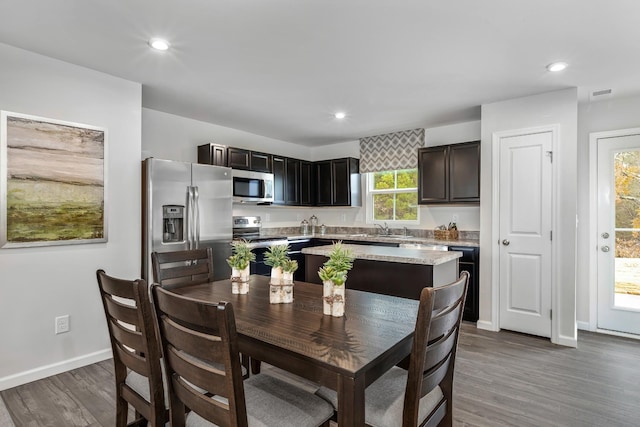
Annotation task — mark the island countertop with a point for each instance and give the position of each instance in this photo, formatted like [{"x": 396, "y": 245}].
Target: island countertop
[{"x": 390, "y": 254}]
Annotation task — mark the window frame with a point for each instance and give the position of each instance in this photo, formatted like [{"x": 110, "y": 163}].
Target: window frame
[{"x": 370, "y": 191}]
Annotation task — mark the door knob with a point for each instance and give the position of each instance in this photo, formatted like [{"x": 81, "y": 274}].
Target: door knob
[
  {"x": 506, "y": 242},
  {"x": 605, "y": 249},
  {"x": 605, "y": 235}
]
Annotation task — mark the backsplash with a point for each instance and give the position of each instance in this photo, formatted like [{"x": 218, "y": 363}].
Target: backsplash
[{"x": 426, "y": 234}]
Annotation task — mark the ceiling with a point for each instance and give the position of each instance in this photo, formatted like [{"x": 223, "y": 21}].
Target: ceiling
[{"x": 282, "y": 68}]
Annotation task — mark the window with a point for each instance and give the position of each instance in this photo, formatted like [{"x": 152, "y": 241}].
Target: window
[{"x": 393, "y": 195}]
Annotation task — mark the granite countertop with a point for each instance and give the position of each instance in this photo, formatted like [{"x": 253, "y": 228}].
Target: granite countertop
[
  {"x": 386, "y": 239},
  {"x": 390, "y": 254}
]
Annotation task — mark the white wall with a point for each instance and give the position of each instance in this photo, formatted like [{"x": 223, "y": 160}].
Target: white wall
[
  {"x": 171, "y": 137},
  {"x": 613, "y": 114},
  {"x": 560, "y": 108},
  {"x": 38, "y": 284},
  {"x": 176, "y": 138}
]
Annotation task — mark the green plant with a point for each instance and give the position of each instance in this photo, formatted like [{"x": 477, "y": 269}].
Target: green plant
[
  {"x": 290, "y": 265},
  {"x": 335, "y": 269},
  {"x": 242, "y": 255},
  {"x": 276, "y": 255}
]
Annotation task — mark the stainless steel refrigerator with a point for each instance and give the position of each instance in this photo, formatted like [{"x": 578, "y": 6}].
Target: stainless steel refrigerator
[{"x": 186, "y": 206}]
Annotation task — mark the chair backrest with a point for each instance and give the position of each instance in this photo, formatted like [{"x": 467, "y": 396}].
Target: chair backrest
[
  {"x": 434, "y": 350},
  {"x": 134, "y": 342},
  {"x": 200, "y": 347},
  {"x": 179, "y": 268}
]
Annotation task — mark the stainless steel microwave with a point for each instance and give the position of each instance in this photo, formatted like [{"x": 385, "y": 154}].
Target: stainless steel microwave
[{"x": 252, "y": 187}]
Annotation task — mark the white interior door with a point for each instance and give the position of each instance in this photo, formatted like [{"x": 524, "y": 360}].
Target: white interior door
[
  {"x": 525, "y": 233},
  {"x": 619, "y": 233}
]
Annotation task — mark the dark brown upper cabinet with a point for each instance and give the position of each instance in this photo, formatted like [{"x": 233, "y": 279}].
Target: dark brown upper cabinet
[
  {"x": 279, "y": 177},
  {"x": 237, "y": 158},
  {"x": 449, "y": 174},
  {"x": 307, "y": 183},
  {"x": 212, "y": 154},
  {"x": 260, "y": 162},
  {"x": 286, "y": 181},
  {"x": 338, "y": 182}
]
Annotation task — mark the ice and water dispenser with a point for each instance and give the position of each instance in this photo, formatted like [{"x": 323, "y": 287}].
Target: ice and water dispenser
[{"x": 172, "y": 223}]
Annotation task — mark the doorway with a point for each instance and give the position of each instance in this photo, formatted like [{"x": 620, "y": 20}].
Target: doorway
[
  {"x": 524, "y": 204},
  {"x": 618, "y": 231}
]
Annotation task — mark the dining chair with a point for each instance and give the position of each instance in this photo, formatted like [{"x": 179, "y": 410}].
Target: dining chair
[
  {"x": 136, "y": 351},
  {"x": 196, "y": 336},
  {"x": 423, "y": 394},
  {"x": 180, "y": 268}
]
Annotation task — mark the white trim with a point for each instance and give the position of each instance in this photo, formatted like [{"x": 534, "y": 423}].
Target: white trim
[
  {"x": 618, "y": 334},
  {"x": 487, "y": 326},
  {"x": 583, "y": 326},
  {"x": 53, "y": 369},
  {"x": 495, "y": 227},
  {"x": 567, "y": 341},
  {"x": 593, "y": 220}
]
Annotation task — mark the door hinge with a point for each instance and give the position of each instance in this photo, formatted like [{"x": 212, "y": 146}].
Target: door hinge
[
  {"x": 551, "y": 314},
  {"x": 551, "y": 235},
  {"x": 550, "y": 155}
]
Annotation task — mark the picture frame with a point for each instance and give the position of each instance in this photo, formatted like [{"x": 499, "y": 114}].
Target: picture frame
[{"x": 53, "y": 186}]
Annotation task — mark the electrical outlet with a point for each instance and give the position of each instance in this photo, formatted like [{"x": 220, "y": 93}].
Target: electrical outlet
[
  {"x": 344, "y": 217},
  {"x": 267, "y": 217},
  {"x": 454, "y": 218},
  {"x": 62, "y": 324}
]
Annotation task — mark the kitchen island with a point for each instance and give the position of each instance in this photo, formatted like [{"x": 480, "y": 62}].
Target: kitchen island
[{"x": 386, "y": 270}]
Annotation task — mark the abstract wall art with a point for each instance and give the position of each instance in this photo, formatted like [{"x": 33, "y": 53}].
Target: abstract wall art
[{"x": 53, "y": 182}]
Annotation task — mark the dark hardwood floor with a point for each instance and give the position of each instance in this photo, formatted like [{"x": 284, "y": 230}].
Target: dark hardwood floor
[{"x": 502, "y": 379}]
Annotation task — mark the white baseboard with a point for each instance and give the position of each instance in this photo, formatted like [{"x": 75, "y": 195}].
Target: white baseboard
[
  {"x": 584, "y": 326},
  {"x": 486, "y": 325},
  {"x": 567, "y": 341},
  {"x": 53, "y": 369}
]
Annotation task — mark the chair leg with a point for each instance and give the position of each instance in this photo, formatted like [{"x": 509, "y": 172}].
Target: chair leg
[
  {"x": 122, "y": 409},
  {"x": 255, "y": 366}
]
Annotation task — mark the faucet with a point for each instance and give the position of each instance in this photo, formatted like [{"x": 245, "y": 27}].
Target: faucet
[
  {"x": 384, "y": 231},
  {"x": 406, "y": 231}
]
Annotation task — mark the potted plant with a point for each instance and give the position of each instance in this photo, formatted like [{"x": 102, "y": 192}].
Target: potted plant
[
  {"x": 239, "y": 262},
  {"x": 282, "y": 292},
  {"x": 334, "y": 275},
  {"x": 289, "y": 266},
  {"x": 275, "y": 256}
]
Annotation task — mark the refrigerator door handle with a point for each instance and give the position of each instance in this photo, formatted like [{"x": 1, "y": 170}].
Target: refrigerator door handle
[
  {"x": 190, "y": 217},
  {"x": 196, "y": 217}
]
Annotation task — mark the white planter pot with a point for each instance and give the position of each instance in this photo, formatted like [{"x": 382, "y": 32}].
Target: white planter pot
[
  {"x": 240, "y": 280},
  {"x": 276, "y": 275},
  {"x": 337, "y": 310},
  {"x": 281, "y": 294},
  {"x": 287, "y": 277},
  {"x": 327, "y": 296}
]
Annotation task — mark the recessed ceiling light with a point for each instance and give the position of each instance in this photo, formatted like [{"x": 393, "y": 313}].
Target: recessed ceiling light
[
  {"x": 557, "y": 66},
  {"x": 159, "y": 44},
  {"x": 340, "y": 115}
]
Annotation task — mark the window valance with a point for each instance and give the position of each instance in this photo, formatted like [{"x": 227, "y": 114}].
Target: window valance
[{"x": 398, "y": 150}]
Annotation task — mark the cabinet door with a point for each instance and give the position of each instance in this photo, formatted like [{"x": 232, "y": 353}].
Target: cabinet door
[
  {"x": 307, "y": 184},
  {"x": 464, "y": 172},
  {"x": 238, "y": 158},
  {"x": 433, "y": 172},
  {"x": 323, "y": 183},
  {"x": 292, "y": 182},
  {"x": 260, "y": 162},
  {"x": 212, "y": 154},
  {"x": 278, "y": 180},
  {"x": 340, "y": 182}
]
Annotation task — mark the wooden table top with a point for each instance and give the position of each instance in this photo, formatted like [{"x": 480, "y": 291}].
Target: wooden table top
[{"x": 373, "y": 326}]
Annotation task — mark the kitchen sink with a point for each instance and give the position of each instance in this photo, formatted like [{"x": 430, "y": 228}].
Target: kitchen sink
[{"x": 424, "y": 246}]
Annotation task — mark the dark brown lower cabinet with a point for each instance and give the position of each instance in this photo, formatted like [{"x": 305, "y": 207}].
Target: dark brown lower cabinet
[{"x": 470, "y": 262}]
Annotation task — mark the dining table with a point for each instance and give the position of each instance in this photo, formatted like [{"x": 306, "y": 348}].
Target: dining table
[{"x": 344, "y": 353}]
